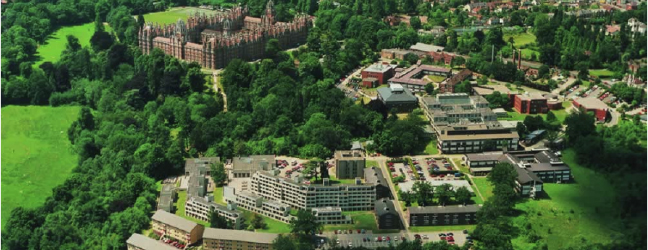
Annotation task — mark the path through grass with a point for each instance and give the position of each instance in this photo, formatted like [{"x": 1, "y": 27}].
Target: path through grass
[{"x": 36, "y": 154}]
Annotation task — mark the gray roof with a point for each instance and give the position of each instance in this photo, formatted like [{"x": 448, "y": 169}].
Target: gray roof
[
  {"x": 374, "y": 175},
  {"x": 525, "y": 176},
  {"x": 356, "y": 145},
  {"x": 484, "y": 156},
  {"x": 239, "y": 235},
  {"x": 426, "y": 47},
  {"x": 385, "y": 206},
  {"x": 201, "y": 165},
  {"x": 444, "y": 210},
  {"x": 254, "y": 163},
  {"x": 388, "y": 96},
  {"x": 174, "y": 220},
  {"x": 146, "y": 243},
  {"x": 592, "y": 103}
]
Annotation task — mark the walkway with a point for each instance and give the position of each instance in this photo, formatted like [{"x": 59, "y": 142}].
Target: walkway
[{"x": 215, "y": 74}]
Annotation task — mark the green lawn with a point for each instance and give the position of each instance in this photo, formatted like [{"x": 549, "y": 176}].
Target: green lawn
[
  {"x": 470, "y": 228},
  {"x": 526, "y": 54},
  {"x": 272, "y": 226},
  {"x": 361, "y": 220},
  {"x": 435, "y": 78},
  {"x": 431, "y": 148},
  {"x": 55, "y": 44},
  {"x": 581, "y": 210},
  {"x": 484, "y": 186},
  {"x": 521, "y": 39},
  {"x": 561, "y": 114},
  {"x": 371, "y": 164},
  {"x": 601, "y": 73},
  {"x": 463, "y": 169},
  {"x": 218, "y": 196},
  {"x": 172, "y": 15},
  {"x": 180, "y": 209},
  {"x": 36, "y": 154}
]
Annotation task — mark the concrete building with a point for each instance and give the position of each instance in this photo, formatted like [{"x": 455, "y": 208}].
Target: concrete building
[
  {"x": 426, "y": 47},
  {"x": 379, "y": 71},
  {"x": 331, "y": 215},
  {"x": 397, "y": 97},
  {"x": 167, "y": 195},
  {"x": 225, "y": 239},
  {"x": 407, "y": 186},
  {"x": 412, "y": 77},
  {"x": 245, "y": 166},
  {"x": 398, "y": 53},
  {"x": 531, "y": 104},
  {"x": 439, "y": 215},
  {"x": 141, "y": 242},
  {"x": 593, "y": 104},
  {"x": 199, "y": 208},
  {"x": 176, "y": 227},
  {"x": 482, "y": 164},
  {"x": 201, "y": 165},
  {"x": 386, "y": 215},
  {"x": 448, "y": 85},
  {"x": 349, "y": 164},
  {"x": 270, "y": 208},
  {"x": 292, "y": 192},
  {"x": 375, "y": 176},
  {"x": 465, "y": 124}
]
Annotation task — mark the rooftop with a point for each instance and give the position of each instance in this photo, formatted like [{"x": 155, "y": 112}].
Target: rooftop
[
  {"x": 426, "y": 47},
  {"x": 385, "y": 206},
  {"x": 489, "y": 89},
  {"x": 146, "y": 243},
  {"x": 445, "y": 210},
  {"x": 375, "y": 176},
  {"x": 407, "y": 186},
  {"x": 174, "y": 220},
  {"x": 349, "y": 154},
  {"x": 239, "y": 235},
  {"x": 491, "y": 156},
  {"x": 591, "y": 103},
  {"x": 413, "y": 75},
  {"x": 396, "y": 94},
  {"x": 378, "y": 68},
  {"x": 253, "y": 163}
]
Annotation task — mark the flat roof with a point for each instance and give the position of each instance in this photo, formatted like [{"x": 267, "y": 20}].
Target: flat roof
[
  {"x": 591, "y": 103},
  {"x": 426, "y": 47},
  {"x": 239, "y": 235},
  {"x": 407, "y": 186},
  {"x": 147, "y": 243},
  {"x": 444, "y": 210},
  {"x": 378, "y": 68},
  {"x": 489, "y": 89},
  {"x": 253, "y": 162},
  {"x": 493, "y": 156},
  {"x": 349, "y": 154},
  {"x": 406, "y": 77},
  {"x": 510, "y": 135},
  {"x": 174, "y": 220}
]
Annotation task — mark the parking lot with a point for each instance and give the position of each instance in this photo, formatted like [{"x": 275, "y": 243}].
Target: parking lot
[{"x": 371, "y": 240}]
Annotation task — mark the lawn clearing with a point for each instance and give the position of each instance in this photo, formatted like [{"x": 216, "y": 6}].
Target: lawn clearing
[
  {"x": 361, "y": 220},
  {"x": 521, "y": 39},
  {"x": 601, "y": 73},
  {"x": 431, "y": 148},
  {"x": 371, "y": 163},
  {"x": 526, "y": 54},
  {"x": 55, "y": 43},
  {"x": 484, "y": 186},
  {"x": 436, "y": 79},
  {"x": 573, "y": 211},
  {"x": 218, "y": 196},
  {"x": 172, "y": 15},
  {"x": 272, "y": 226},
  {"x": 36, "y": 154}
]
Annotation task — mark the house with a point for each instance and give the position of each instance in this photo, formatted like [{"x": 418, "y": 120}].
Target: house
[
  {"x": 226, "y": 239},
  {"x": 176, "y": 227},
  {"x": 377, "y": 73},
  {"x": 349, "y": 164},
  {"x": 593, "y": 104},
  {"x": 386, "y": 215},
  {"x": 533, "y": 103},
  {"x": 245, "y": 166},
  {"x": 440, "y": 215},
  {"x": 397, "y": 97},
  {"x": 141, "y": 242},
  {"x": 167, "y": 196},
  {"x": 375, "y": 176},
  {"x": 448, "y": 85}
]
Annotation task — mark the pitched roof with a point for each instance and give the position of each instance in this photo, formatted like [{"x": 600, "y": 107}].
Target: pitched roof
[
  {"x": 389, "y": 96},
  {"x": 174, "y": 220},
  {"x": 374, "y": 175},
  {"x": 146, "y": 243},
  {"x": 239, "y": 235},
  {"x": 385, "y": 206}
]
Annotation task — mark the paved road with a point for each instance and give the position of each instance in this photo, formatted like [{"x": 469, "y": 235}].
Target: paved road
[{"x": 564, "y": 86}]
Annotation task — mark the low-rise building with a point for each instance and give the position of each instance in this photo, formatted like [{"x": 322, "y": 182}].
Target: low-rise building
[
  {"x": 245, "y": 166},
  {"x": 331, "y": 215},
  {"x": 141, "y": 242},
  {"x": 225, "y": 239},
  {"x": 176, "y": 227},
  {"x": 426, "y": 47},
  {"x": 200, "y": 208},
  {"x": 349, "y": 164},
  {"x": 398, "y": 53},
  {"x": 408, "y": 186},
  {"x": 530, "y": 104},
  {"x": 375, "y": 176},
  {"x": 397, "y": 97},
  {"x": 270, "y": 208},
  {"x": 440, "y": 215},
  {"x": 448, "y": 85},
  {"x": 379, "y": 71},
  {"x": 412, "y": 77},
  {"x": 482, "y": 164},
  {"x": 167, "y": 195},
  {"x": 386, "y": 215},
  {"x": 592, "y": 104}
]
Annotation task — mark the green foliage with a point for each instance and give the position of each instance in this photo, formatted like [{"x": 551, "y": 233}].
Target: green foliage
[
  {"x": 305, "y": 223},
  {"x": 429, "y": 88},
  {"x": 215, "y": 221},
  {"x": 218, "y": 174}
]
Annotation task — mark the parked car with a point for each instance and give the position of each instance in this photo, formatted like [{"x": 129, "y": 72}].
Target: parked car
[{"x": 450, "y": 234}]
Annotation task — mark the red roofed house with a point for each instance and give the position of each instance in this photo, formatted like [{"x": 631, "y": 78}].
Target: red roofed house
[
  {"x": 591, "y": 104},
  {"x": 612, "y": 29}
]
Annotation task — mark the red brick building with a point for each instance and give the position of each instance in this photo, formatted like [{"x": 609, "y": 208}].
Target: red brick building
[
  {"x": 448, "y": 85},
  {"x": 530, "y": 104},
  {"x": 379, "y": 73},
  {"x": 591, "y": 104}
]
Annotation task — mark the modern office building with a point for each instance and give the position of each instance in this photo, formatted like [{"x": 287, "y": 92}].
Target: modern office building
[
  {"x": 465, "y": 124},
  {"x": 481, "y": 164},
  {"x": 176, "y": 227},
  {"x": 331, "y": 215},
  {"x": 225, "y": 239},
  {"x": 375, "y": 176},
  {"x": 270, "y": 208},
  {"x": 349, "y": 164},
  {"x": 141, "y": 242},
  {"x": 413, "y": 77},
  {"x": 386, "y": 215},
  {"x": 200, "y": 208},
  {"x": 379, "y": 71},
  {"x": 440, "y": 215},
  {"x": 296, "y": 194},
  {"x": 245, "y": 166},
  {"x": 167, "y": 195},
  {"x": 531, "y": 104},
  {"x": 397, "y": 97}
]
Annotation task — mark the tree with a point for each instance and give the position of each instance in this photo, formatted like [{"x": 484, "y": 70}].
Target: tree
[
  {"x": 305, "y": 223},
  {"x": 551, "y": 117},
  {"x": 216, "y": 221},
  {"x": 423, "y": 192},
  {"x": 544, "y": 72},
  {"x": 443, "y": 193},
  {"x": 457, "y": 61},
  {"x": 579, "y": 124},
  {"x": 429, "y": 88},
  {"x": 583, "y": 70},
  {"x": 272, "y": 48},
  {"x": 284, "y": 242},
  {"x": 533, "y": 122},
  {"x": 324, "y": 172},
  {"x": 462, "y": 195},
  {"x": 257, "y": 222},
  {"x": 218, "y": 174},
  {"x": 503, "y": 174},
  {"x": 483, "y": 80},
  {"x": 415, "y": 22}
]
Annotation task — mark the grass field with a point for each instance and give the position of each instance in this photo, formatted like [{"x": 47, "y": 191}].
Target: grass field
[
  {"x": 361, "y": 220},
  {"x": 180, "y": 208},
  {"x": 601, "y": 73},
  {"x": 36, "y": 154},
  {"x": 272, "y": 226},
  {"x": 575, "y": 211},
  {"x": 218, "y": 196},
  {"x": 371, "y": 163},
  {"x": 561, "y": 114},
  {"x": 526, "y": 54},
  {"x": 436, "y": 79},
  {"x": 521, "y": 39},
  {"x": 55, "y": 44},
  {"x": 172, "y": 15},
  {"x": 431, "y": 148},
  {"x": 484, "y": 186}
]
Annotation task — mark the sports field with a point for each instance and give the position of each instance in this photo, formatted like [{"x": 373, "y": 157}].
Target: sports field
[
  {"x": 55, "y": 44},
  {"x": 172, "y": 15},
  {"x": 36, "y": 154}
]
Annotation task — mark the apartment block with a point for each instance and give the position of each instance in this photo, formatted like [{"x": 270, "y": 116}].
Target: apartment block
[
  {"x": 141, "y": 242},
  {"x": 375, "y": 176},
  {"x": 167, "y": 195},
  {"x": 349, "y": 164},
  {"x": 271, "y": 208},
  {"x": 331, "y": 215},
  {"x": 200, "y": 208},
  {"x": 224, "y": 239},
  {"x": 349, "y": 197},
  {"x": 245, "y": 166},
  {"x": 386, "y": 215},
  {"x": 176, "y": 227},
  {"x": 443, "y": 215}
]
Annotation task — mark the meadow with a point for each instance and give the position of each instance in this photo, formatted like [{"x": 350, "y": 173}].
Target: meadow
[
  {"x": 55, "y": 43},
  {"x": 172, "y": 15},
  {"x": 36, "y": 154},
  {"x": 601, "y": 73},
  {"x": 521, "y": 39}
]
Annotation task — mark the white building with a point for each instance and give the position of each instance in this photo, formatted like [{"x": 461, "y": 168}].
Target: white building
[{"x": 331, "y": 215}]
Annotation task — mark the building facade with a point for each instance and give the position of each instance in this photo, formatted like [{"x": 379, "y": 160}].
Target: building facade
[
  {"x": 449, "y": 84},
  {"x": 331, "y": 215},
  {"x": 439, "y": 215},
  {"x": 270, "y": 208},
  {"x": 594, "y": 105},
  {"x": 200, "y": 208},
  {"x": 381, "y": 72},
  {"x": 349, "y": 164},
  {"x": 176, "y": 227},
  {"x": 167, "y": 196},
  {"x": 413, "y": 77},
  {"x": 530, "y": 104},
  {"x": 141, "y": 242},
  {"x": 386, "y": 215},
  {"x": 224, "y": 239},
  {"x": 375, "y": 176},
  {"x": 213, "y": 41}
]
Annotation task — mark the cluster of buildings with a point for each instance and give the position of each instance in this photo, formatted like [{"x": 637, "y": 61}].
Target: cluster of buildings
[{"x": 214, "y": 40}]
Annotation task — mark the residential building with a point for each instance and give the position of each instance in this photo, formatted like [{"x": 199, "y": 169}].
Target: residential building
[
  {"x": 439, "y": 215},
  {"x": 245, "y": 166},
  {"x": 270, "y": 208},
  {"x": 593, "y": 104},
  {"x": 167, "y": 195},
  {"x": 176, "y": 227},
  {"x": 448, "y": 85},
  {"x": 375, "y": 176},
  {"x": 386, "y": 215},
  {"x": 331, "y": 215},
  {"x": 530, "y": 104},
  {"x": 349, "y": 164},
  {"x": 397, "y": 97},
  {"x": 407, "y": 186},
  {"x": 296, "y": 194},
  {"x": 225, "y": 239},
  {"x": 141, "y": 242},
  {"x": 482, "y": 164},
  {"x": 379, "y": 71},
  {"x": 412, "y": 77},
  {"x": 200, "y": 208}
]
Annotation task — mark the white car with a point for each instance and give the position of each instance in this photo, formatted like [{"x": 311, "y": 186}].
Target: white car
[{"x": 350, "y": 245}]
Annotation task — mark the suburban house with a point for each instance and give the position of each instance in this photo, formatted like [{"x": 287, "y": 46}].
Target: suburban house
[
  {"x": 397, "y": 97},
  {"x": 226, "y": 239},
  {"x": 176, "y": 227},
  {"x": 349, "y": 164},
  {"x": 141, "y": 242},
  {"x": 386, "y": 215},
  {"x": 440, "y": 215}
]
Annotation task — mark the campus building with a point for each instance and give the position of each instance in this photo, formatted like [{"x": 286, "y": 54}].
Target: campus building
[
  {"x": 245, "y": 166},
  {"x": 167, "y": 195},
  {"x": 397, "y": 97},
  {"x": 141, "y": 242},
  {"x": 375, "y": 176},
  {"x": 200, "y": 208},
  {"x": 386, "y": 215},
  {"x": 592, "y": 104},
  {"x": 448, "y": 85},
  {"x": 377, "y": 74},
  {"x": 176, "y": 227},
  {"x": 465, "y": 124},
  {"x": 270, "y": 208},
  {"x": 412, "y": 77},
  {"x": 214, "y": 40},
  {"x": 292, "y": 192},
  {"x": 530, "y": 104},
  {"x": 331, "y": 215},
  {"x": 225, "y": 239},
  {"x": 443, "y": 215},
  {"x": 349, "y": 164}
]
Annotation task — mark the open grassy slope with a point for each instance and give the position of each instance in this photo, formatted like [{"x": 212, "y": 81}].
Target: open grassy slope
[
  {"x": 172, "y": 15},
  {"x": 36, "y": 154},
  {"x": 55, "y": 44}
]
